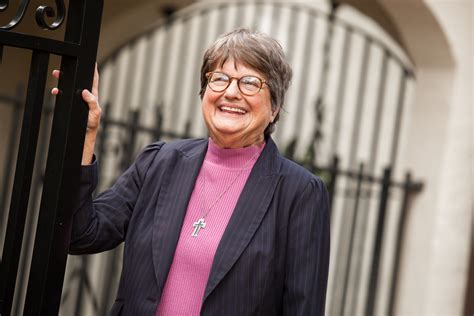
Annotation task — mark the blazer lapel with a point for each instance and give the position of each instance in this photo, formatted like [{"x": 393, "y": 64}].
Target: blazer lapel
[
  {"x": 171, "y": 208},
  {"x": 248, "y": 214}
]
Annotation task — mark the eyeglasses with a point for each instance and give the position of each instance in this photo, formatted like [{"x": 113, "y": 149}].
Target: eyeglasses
[{"x": 248, "y": 85}]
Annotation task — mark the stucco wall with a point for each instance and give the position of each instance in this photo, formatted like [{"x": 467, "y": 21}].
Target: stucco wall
[{"x": 438, "y": 35}]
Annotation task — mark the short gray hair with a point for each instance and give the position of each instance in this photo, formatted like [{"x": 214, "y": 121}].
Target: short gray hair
[{"x": 258, "y": 51}]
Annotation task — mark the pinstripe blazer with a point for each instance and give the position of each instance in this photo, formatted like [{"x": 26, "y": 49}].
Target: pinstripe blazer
[{"x": 272, "y": 259}]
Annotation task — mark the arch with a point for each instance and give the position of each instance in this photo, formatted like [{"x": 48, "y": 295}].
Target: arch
[{"x": 420, "y": 32}]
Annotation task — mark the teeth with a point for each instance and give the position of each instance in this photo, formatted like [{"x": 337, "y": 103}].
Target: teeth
[{"x": 227, "y": 108}]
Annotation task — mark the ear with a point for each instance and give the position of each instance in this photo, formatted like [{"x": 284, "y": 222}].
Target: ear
[{"x": 274, "y": 114}]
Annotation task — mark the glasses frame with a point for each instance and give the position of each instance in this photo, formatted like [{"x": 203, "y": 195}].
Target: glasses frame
[{"x": 210, "y": 73}]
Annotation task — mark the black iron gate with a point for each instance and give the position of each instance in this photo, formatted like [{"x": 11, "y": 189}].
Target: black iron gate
[{"x": 78, "y": 53}]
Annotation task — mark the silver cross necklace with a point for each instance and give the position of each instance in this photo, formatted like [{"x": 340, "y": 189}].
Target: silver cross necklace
[{"x": 201, "y": 222}]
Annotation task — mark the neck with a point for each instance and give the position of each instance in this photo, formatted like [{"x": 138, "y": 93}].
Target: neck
[
  {"x": 235, "y": 142},
  {"x": 231, "y": 158}
]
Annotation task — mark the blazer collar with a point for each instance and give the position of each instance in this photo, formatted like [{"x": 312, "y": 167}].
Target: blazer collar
[
  {"x": 248, "y": 214},
  {"x": 176, "y": 191}
]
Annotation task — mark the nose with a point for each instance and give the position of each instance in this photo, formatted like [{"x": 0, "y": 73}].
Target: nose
[{"x": 232, "y": 90}]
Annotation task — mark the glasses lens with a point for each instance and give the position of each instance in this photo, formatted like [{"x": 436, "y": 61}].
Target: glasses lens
[
  {"x": 250, "y": 84},
  {"x": 218, "y": 81}
]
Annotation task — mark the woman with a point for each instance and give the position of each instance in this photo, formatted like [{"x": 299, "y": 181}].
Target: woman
[{"x": 217, "y": 226}]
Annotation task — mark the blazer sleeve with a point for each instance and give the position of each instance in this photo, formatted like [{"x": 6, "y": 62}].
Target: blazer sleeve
[
  {"x": 308, "y": 253},
  {"x": 101, "y": 224}
]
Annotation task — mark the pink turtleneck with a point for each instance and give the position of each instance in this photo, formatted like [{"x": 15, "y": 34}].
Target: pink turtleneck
[{"x": 222, "y": 170}]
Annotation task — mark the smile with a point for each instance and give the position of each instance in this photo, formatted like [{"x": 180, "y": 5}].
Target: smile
[{"x": 232, "y": 109}]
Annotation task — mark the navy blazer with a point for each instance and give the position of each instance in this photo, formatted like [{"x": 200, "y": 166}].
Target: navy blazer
[{"x": 272, "y": 259}]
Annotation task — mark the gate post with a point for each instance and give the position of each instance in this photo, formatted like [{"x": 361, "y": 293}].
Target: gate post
[{"x": 78, "y": 54}]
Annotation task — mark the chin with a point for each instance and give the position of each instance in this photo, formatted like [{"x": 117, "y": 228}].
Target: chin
[{"x": 226, "y": 128}]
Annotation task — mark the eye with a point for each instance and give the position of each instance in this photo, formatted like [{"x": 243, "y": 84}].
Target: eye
[
  {"x": 219, "y": 78},
  {"x": 250, "y": 83}
]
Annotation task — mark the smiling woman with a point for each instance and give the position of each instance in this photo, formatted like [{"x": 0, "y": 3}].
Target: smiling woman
[
  {"x": 235, "y": 119},
  {"x": 217, "y": 226}
]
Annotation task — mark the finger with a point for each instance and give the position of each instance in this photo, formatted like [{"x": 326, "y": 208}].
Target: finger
[
  {"x": 55, "y": 91},
  {"x": 56, "y": 73},
  {"x": 95, "y": 82},
  {"x": 90, "y": 99}
]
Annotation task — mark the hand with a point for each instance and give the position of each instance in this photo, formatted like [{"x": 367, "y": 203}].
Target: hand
[
  {"x": 93, "y": 120},
  {"x": 92, "y": 100}
]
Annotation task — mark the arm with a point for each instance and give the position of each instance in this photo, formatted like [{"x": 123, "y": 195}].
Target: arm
[
  {"x": 101, "y": 224},
  {"x": 308, "y": 253}
]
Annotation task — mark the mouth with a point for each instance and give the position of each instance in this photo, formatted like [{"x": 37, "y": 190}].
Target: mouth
[{"x": 232, "y": 109}]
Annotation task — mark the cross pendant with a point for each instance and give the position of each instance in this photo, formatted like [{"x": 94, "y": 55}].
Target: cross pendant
[{"x": 197, "y": 227}]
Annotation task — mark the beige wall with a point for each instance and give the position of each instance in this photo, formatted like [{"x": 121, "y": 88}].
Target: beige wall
[
  {"x": 125, "y": 19},
  {"x": 438, "y": 36},
  {"x": 453, "y": 214}
]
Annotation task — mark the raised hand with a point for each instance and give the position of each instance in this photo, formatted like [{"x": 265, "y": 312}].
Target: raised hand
[{"x": 93, "y": 121}]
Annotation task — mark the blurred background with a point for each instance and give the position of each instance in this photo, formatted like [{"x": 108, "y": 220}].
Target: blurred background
[{"x": 380, "y": 106}]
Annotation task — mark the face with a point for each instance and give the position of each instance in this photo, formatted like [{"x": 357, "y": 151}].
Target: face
[{"x": 233, "y": 119}]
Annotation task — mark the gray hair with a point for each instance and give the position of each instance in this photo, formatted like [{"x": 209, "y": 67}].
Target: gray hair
[{"x": 258, "y": 51}]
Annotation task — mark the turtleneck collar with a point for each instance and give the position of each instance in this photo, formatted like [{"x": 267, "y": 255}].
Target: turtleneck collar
[{"x": 232, "y": 158}]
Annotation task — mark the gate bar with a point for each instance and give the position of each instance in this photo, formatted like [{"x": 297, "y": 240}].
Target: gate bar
[
  {"x": 408, "y": 189},
  {"x": 10, "y": 155},
  {"x": 61, "y": 181},
  {"x": 46, "y": 44},
  {"x": 23, "y": 176},
  {"x": 344, "y": 304},
  {"x": 377, "y": 249}
]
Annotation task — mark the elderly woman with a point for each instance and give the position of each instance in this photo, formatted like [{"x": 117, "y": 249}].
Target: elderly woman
[{"x": 217, "y": 226}]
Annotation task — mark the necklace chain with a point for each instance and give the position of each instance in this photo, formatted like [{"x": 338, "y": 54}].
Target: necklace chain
[
  {"x": 198, "y": 225},
  {"x": 225, "y": 190}
]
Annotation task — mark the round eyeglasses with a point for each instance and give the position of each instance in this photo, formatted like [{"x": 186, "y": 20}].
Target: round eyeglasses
[{"x": 248, "y": 85}]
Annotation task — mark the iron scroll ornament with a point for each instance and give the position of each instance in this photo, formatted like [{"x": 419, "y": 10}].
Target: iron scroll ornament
[{"x": 42, "y": 12}]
